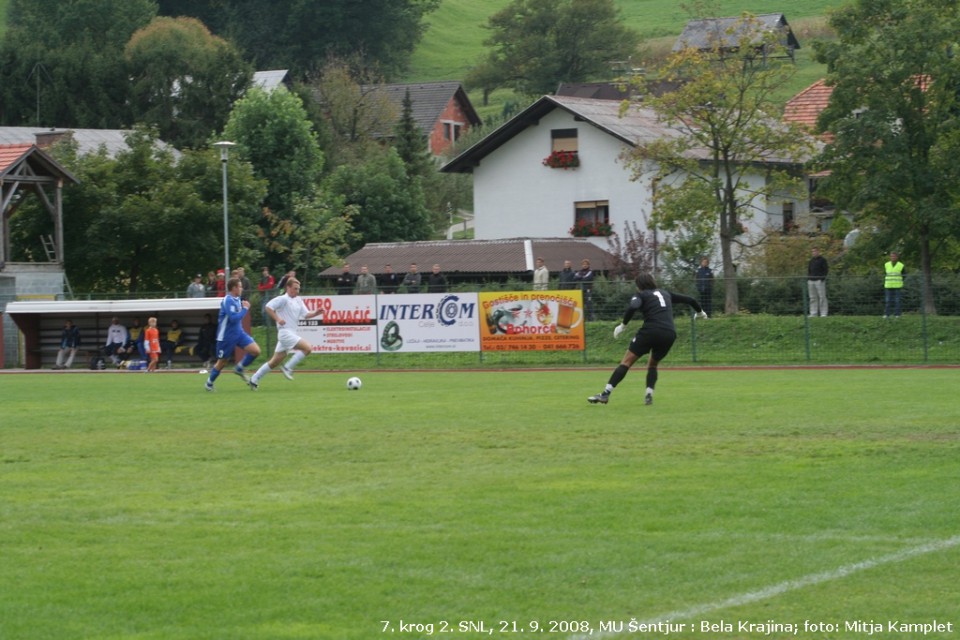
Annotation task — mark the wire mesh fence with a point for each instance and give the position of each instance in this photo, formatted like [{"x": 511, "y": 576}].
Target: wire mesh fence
[{"x": 771, "y": 327}]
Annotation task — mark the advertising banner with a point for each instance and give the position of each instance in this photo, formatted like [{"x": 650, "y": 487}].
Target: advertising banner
[
  {"x": 428, "y": 322},
  {"x": 532, "y": 321},
  {"x": 348, "y": 324}
]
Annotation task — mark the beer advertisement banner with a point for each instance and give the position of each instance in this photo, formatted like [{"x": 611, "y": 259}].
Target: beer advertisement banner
[
  {"x": 348, "y": 324},
  {"x": 428, "y": 322},
  {"x": 532, "y": 321}
]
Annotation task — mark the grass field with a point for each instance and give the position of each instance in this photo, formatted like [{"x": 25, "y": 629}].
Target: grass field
[
  {"x": 453, "y": 43},
  {"x": 137, "y": 506}
]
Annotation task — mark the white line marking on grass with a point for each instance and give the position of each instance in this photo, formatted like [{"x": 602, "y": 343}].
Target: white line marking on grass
[{"x": 793, "y": 585}]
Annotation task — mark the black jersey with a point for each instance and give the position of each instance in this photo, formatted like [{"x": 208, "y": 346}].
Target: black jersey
[{"x": 656, "y": 307}]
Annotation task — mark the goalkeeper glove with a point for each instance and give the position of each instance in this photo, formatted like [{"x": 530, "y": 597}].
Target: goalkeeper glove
[
  {"x": 618, "y": 330},
  {"x": 702, "y": 315}
]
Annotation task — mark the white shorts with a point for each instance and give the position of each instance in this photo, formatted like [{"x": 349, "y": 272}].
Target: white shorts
[{"x": 286, "y": 340}]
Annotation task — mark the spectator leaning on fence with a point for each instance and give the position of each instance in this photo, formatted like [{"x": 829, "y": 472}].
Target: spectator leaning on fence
[
  {"x": 892, "y": 285},
  {"x": 817, "y": 270}
]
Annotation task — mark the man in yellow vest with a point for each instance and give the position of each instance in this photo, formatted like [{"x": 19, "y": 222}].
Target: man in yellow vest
[{"x": 892, "y": 285}]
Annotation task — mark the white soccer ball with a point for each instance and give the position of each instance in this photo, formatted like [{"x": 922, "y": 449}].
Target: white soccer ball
[{"x": 354, "y": 384}]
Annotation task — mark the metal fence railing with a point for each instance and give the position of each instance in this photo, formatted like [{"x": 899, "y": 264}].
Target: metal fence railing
[{"x": 771, "y": 328}]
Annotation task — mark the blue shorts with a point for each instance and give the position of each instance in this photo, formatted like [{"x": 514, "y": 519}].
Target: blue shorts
[{"x": 226, "y": 347}]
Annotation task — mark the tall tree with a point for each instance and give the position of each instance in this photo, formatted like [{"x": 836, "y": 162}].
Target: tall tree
[
  {"x": 536, "y": 44},
  {"x": 146, "y": 220},
  {"x": 390, "y": 205},
  {"x": 276, "y": 137},
  {"x": 300, "y": 34},
  {"x": 411, "y": 143},
  {"x": 895, "y": 117},
  {"x": 62, "y": 62},
  {"x": 727, "y": 118},
  {"x": 184, "y": 79}
]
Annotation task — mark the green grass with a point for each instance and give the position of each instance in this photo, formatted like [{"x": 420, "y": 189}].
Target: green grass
[
  {"x": 453, "y": 43},
  {"x": 137, "y": 506}
]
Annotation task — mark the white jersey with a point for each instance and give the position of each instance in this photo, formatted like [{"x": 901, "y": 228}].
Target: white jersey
[{"x": 290, "y": 310}]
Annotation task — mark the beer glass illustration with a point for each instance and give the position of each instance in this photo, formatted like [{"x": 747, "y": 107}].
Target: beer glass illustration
[{"x": 569, "y": 316}]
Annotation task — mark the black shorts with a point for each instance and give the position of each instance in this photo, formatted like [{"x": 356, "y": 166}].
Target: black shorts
[{"x": 656, "y": 342}]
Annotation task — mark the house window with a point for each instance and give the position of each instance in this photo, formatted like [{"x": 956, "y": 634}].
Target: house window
[
  {"x": 452, "y": 130},
  {"x": 591, "y": 218},
  {"x": 563, "y": 140},
  {"x": 788, "y": 218}
]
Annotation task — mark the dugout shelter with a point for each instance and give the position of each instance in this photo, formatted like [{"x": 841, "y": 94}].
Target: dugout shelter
[{"x": 41, "y": 322}]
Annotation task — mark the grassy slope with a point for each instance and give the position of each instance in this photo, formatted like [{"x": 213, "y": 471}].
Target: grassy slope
[{"x": 454, "y": 41}]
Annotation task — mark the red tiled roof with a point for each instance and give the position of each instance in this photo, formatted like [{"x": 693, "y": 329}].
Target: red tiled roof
[
  {"x": 10, "y": 154},
  {"x": 805, "y": 107}
]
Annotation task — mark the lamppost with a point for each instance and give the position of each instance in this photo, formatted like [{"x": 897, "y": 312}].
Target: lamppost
[{"x": 224, "y": 147}]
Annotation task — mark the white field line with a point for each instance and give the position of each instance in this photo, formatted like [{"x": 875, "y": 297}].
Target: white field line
[{"x": 792, "y": 585}]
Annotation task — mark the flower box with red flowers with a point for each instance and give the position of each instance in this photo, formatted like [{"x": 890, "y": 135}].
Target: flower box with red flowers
[
  {"x": 590, "y": 228},
  {"x": 562, "y": 160}
]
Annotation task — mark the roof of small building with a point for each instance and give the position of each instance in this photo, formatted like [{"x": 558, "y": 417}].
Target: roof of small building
[
  {"x": 12, "y": 155},
  {"x": 805, "y": 107},
  {"x": 113, "y": 141},
  {"x": 271, "y": 79},
  {"x": 508, "y": 256},
  {"x": 707, "y": 33},
  {"x": 428, "y": 99}
]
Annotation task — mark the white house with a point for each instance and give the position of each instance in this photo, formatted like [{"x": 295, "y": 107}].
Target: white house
[{"x": 516, "y": 195}]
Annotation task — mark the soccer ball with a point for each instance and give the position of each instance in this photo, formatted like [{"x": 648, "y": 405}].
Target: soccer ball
[{"x": 354, "y": 384}]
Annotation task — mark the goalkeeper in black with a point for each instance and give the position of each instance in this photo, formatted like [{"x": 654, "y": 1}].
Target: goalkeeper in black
[{"x": 655, "y": 336}]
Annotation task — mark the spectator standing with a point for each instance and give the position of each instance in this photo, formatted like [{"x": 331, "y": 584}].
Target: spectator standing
[
  {"x": 211, "y": 284},
  {"x": 117, "y": 337},
  {"x": 231, "y": 335},
  {"x": 411, "y": 281},
  {"x": 366, "y": 282},
  {"x": 584, "y": 279},
  {"x": 541, "y": 276},
  {"x": 389, "y": 281},
  {"x": 286, "y": 311},
  {"x": 704, "y": 282},
  {"x": 282, "y": 285},
  {"x": 567, "y": 276},
  {"x": 221, "y": 283},
  {"x": 345, "y": 281},
  {"x": 151, "y": 341},
  {"x": 436, "y": 281},
  {"x": 893, "y": 285},
  {"x": 196, "y": 289},
  {"x": 817, "y": 270},
  {"x": 267, "y": 281},
  {"x": 245, "y": 281},
  {"x": 69, "y": 343}
]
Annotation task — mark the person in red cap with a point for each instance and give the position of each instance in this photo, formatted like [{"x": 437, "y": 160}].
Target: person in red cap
[{"x": 221, "y": 284}]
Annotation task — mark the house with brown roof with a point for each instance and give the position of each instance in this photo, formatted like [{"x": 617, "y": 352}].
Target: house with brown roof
[
  {"x": 805, "y": 107},
  {"x": 442, "y": 110}
]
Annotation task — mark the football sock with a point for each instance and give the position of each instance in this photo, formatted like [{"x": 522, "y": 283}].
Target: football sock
[
  {"x": 295, "y": 359},
  {"x": 213, "y": 375},
  {"x": 618, "y": 374},
  {"x": 651, "y": 378},
  {"x": 247, "y": 360},
  {"x": 262, "y": 371}
]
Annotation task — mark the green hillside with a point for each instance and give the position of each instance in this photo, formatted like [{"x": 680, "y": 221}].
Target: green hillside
[{"x": 454, "y": 40}]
